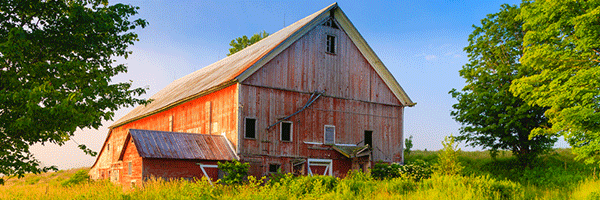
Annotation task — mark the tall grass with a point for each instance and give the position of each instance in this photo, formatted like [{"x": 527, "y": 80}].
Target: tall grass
[
  {"x": 558, "y": 177},
  {"x": 359, "y": 186}
]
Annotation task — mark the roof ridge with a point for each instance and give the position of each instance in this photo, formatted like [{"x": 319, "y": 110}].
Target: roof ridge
[
  {"x": 177, "y": 132},
  {"x": 217, "y": 74}
]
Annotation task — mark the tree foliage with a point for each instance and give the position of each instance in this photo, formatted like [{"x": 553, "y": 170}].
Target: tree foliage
[
  {"x": 448, "y": 163},
  {"x": 563, "y": 43},
  {"x": 235, "y": 172},
  {"x": 56, "y": 65},
  {"x": 491, "y": 116},
  {"x": 242, "y": 42},
  {"x": 408, "y": 144}
]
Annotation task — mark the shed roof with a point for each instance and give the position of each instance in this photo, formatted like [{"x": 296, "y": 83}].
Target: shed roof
[
  {"x": 352, "y": 151},
  {"x": 176, "y": 145},
  {"x": 239, "y": 66}
]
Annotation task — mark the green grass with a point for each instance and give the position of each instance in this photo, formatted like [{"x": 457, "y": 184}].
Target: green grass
[{"x": 553, "y": 176}]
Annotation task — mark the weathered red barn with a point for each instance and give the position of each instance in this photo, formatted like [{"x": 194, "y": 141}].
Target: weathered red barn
[{"x": 312, "y": 98}]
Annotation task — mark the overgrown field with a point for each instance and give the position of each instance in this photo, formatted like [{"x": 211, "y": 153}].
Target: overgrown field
[{"x": 553, "y": 176}]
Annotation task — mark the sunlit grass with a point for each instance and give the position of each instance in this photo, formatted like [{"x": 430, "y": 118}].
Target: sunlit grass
[{"x": 557, "y": 177}]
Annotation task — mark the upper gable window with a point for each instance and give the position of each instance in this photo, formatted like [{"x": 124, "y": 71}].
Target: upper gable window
[
  {"x": 330, "y": 44},
  {"x": 330, "y": 23}
]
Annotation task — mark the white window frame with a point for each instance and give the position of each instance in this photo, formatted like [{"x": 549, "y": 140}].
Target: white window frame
[
  {"x": 328, "y": 163},
  {"x": 325, "y": 134},
  {"x": 255, "y": 129},
  {"x": 202, "y": 166},
  {"x": 291, "y": 131}
]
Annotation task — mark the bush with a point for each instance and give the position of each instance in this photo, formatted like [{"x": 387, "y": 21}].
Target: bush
[
  {"x": 417, "y": 170},
  {"x": 79, "y": 177},
  {"x": 235, "y": 172},
  {"x": 383, "y": 170},
  {"x": 448, "y": 159},
  {"x": 277, "y": 177},
  {"x": 304, "y": 185},
  {"x": 355, "y": 184}
]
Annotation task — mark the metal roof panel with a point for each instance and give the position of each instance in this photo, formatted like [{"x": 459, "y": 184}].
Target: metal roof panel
[{"x": 176, "y": 145}]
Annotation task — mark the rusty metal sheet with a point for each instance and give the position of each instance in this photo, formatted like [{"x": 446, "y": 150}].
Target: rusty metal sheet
[{"x": 176, "y": 145}]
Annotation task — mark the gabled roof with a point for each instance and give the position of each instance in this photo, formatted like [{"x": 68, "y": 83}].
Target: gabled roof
[
  {"x": 175, "y": 145},
  {"x": 241, "y": 65}
]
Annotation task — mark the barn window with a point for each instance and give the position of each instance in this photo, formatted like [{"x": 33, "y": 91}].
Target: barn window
[
  {"x": 330, "y": 44},
  {"x": 130, "y": 169},
  {"x": 286, "y": 131},
  {"x": 108, "y": 147},
  {"x": 274, "y": 168},
  {"x": 250, "y": 131},
  {"x": 368, "y": 138},
  {"x": 329, "y": 134}
]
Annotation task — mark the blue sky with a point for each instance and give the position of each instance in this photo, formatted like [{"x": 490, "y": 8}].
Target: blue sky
[{"x": 420, "y": 42}]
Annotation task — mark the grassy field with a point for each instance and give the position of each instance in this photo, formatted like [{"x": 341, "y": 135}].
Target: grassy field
[{"x": 553, "y": 176}]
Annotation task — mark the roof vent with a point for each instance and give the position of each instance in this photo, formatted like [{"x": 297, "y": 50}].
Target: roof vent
[{"x": 331, "y": 23}]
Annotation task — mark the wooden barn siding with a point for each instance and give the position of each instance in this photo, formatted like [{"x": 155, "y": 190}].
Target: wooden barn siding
[
  {"x": 356, "y": 100},
  {"x": 131, "y": 155},
  {"x": 304, "y": 66},
  {"x": 177, "y": 169},
  {"x": 193, "y": 117},
  {"x": 350, "y": 118},
  {"x": 259, "y": 165}
]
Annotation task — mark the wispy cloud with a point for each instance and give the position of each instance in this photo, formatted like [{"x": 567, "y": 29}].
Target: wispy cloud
[{"x": 440, "y": 52}]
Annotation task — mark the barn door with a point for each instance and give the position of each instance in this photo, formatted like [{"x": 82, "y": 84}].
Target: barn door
[{"x": 320, "y": 166}]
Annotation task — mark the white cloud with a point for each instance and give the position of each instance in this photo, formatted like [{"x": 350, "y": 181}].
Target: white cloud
[{"x": 430, "y": 57}]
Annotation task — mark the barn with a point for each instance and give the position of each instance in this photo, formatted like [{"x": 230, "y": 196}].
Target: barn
[{"x": 312, "y": 98}]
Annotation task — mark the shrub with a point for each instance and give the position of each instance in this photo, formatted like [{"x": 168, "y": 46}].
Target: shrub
[
  {"x": 383, "y": 170},
  {"x": 277, "y": 177},
  {"x": 417, "y": 170},
  {"x": 79, "y": 177},
  {"x": 235, "y": 172},
  {"x": 448, "y": 159},
  {"x": 355, "y": 184},
  {"x": 492, "y": 187}
]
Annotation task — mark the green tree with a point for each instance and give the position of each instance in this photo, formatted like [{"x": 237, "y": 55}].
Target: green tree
[
  {"x": 563, "y": 44},
  {"x": 408, "y": 145},
  {"x": 491, "y": 116},
  {"x": 448, "y": 163},
  {"x": 56, "y": 65},
  {"x": 242, "y": 42}
]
